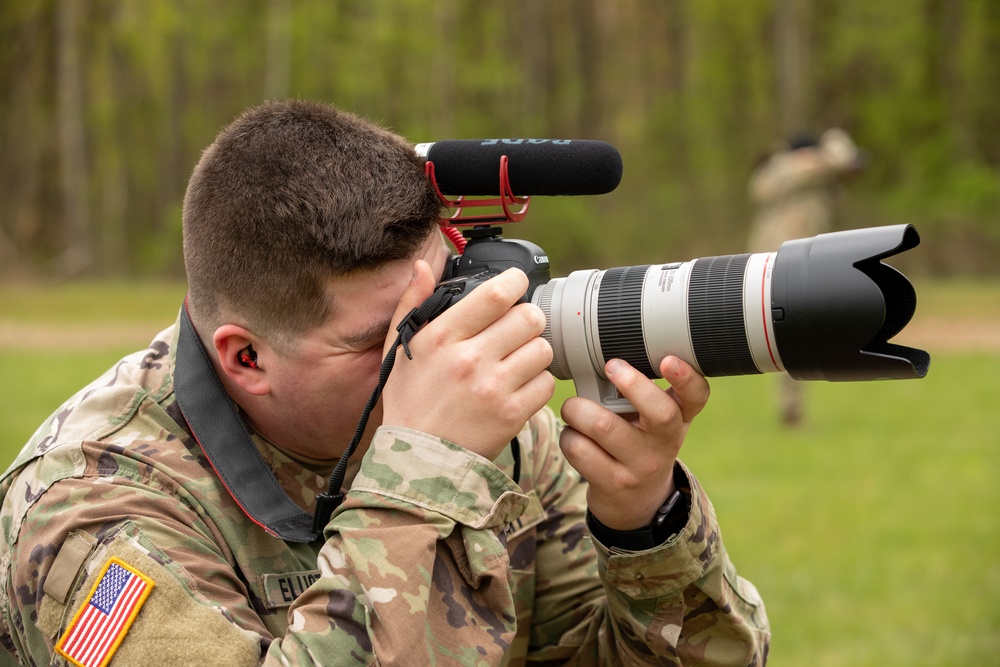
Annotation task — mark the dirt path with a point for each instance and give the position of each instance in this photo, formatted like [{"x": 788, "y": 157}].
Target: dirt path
[
  {"x": 29, "y": 336},
  {"x": 941, "y": 335},
  {"x": 933, "y": 335}
]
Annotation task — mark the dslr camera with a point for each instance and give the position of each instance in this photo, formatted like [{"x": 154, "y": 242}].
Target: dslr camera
[{"x": 820, "y": 308}]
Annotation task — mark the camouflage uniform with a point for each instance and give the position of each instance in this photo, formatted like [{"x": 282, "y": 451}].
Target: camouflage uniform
[{"x": 435, "y": 557}]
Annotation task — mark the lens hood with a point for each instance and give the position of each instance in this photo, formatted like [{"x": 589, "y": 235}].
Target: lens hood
[{"x": 835, "y": 306}]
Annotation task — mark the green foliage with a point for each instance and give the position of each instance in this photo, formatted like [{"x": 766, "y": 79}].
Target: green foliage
[{"x": 692, "y": 93}]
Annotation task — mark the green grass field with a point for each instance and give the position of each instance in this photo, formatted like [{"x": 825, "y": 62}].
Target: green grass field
[{"x": 872, "y": 531}]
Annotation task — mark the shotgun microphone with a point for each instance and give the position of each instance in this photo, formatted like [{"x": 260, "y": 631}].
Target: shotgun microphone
[{"x": 545, "y": 167}]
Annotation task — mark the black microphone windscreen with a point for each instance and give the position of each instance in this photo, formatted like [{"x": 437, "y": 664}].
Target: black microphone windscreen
[{"x": 471, "y": 167}]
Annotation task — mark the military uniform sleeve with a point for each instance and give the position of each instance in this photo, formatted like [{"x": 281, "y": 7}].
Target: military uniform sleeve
[
  {"x": 679, "y": 603},
  {"x": 415, "y": 563},
  {"x": 414, "y": 570},
  {"x": 195, "y": 609}
]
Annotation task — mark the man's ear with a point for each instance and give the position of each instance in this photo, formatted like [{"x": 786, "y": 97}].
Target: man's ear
[{"x": 237, "y": 349}]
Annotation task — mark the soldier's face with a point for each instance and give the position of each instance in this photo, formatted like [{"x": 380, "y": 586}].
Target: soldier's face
[{"x": 320, "y": 390}]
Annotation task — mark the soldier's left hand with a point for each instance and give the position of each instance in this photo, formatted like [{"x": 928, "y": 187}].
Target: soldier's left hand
[{"x": 628, "y": 459}]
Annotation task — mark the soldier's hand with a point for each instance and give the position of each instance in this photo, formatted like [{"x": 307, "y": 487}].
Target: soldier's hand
[
  {"x": 628, "y": 459},
  {"x": 479, "y": 370}
]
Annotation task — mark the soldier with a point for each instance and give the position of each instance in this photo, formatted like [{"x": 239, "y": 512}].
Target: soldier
[
  {"x": 162, "y": 515},
  {"x": 794, "y": 192}
]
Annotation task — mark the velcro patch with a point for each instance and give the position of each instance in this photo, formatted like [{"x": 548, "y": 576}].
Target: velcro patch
[{"x": 106, "y": 615}]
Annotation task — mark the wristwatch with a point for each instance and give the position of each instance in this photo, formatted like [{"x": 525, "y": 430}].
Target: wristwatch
[{"x": 670, "y": 519}]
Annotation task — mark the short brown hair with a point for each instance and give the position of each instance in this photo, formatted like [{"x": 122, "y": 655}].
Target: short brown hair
[{"x": 288, "y": 195}]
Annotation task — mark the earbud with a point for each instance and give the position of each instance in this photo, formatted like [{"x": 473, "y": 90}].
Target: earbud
[{"x": 248, "y": 357}]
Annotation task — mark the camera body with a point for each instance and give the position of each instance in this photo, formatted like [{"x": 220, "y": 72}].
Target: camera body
[{"x": 488, "y": 254}]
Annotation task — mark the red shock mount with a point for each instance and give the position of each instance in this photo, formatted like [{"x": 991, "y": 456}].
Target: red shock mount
[{"x": 462, "y": 217}]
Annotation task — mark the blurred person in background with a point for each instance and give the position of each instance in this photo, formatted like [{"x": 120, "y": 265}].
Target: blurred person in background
[{"x": 794, "y": 192}]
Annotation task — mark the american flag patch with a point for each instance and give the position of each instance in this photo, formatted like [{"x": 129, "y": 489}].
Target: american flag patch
[{"x": 101, "y": 623}]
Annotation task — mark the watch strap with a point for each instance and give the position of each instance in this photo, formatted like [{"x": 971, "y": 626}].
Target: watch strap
[{"x": 670, "y": 519}]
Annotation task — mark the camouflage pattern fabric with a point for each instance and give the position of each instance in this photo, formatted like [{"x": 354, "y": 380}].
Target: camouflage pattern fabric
[{"x": 436, "y": 556}]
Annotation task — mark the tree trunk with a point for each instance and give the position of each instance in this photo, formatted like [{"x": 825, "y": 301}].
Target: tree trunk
[
  {"x": 278, "y": 68},
  {"x": 792, "y": 64},
  {"x": 76, "y": 256}
]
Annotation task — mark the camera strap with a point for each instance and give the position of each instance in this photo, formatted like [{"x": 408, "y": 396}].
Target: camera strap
[{"x": 434, "y": 305}]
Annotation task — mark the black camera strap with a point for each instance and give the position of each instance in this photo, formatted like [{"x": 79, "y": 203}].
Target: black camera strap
[{"x": 433, "y": 306}]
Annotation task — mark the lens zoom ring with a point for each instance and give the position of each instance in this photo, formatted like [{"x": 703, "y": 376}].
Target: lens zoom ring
[
  {"x": 715, "y": 316},
  {"x": 545, "y": 303},
  {"x": 619, "y": 317}
]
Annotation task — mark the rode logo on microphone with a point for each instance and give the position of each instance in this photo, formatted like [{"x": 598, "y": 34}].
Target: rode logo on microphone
[
  {"x": 518, "y": 142},
  {"x": 546, "y": 167}
]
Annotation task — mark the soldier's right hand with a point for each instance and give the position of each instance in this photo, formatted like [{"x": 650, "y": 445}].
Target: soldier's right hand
[{"x": 479, "y": 370}]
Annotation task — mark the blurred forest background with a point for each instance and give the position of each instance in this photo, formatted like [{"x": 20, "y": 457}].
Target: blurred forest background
[{"x": 107, "y": 104}]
